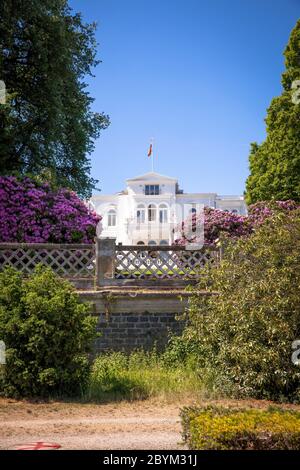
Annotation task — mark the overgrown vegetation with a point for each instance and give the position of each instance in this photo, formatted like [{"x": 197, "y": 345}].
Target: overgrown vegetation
[
  {"x": 243, "y": 336},
  {"x": 237, "y": 342},
  {"x": 219, "y": 428},
  {"x": 142, "y": 374},
  {"x": 47, "y": 333}
]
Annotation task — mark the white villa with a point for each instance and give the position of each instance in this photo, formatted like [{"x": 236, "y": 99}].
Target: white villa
[{"x": 152, "y": 204}]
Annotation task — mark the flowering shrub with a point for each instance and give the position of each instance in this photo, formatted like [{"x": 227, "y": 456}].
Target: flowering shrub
[
  {"x": 32, "y": 212},
  {"x": 220, "y": 428},
  {"x": 261, "y": 211},
  {"x": 217, "y": 222}
]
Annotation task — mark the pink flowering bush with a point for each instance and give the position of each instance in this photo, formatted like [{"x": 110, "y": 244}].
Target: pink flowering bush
[
  {"x": 33, "y": 212},
  {"x": 261, "y": 211},
  {"x": 218, "y": 222},
  {"x": 215, "y": 222}
]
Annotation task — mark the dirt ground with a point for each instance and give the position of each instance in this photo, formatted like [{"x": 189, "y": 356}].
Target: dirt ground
[
  {"x": 144, "y": 425},
  {"x": 123, "y": 425}
]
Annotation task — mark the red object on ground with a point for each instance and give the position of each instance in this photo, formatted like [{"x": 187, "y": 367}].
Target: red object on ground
[{"x": 40, "y": 445}]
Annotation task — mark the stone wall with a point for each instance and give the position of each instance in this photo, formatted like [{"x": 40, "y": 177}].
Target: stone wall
[
  {"x": 125, "y": 332},
  {"x": 140, "y": 320}
]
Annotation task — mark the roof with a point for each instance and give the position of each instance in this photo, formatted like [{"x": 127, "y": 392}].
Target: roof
[{"x": 152, "y": 177}]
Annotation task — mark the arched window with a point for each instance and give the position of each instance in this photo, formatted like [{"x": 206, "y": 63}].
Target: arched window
[
  {"x": 151, "y": 213},
  {"x": 140, "y": 243},
  {"x": 163, "y": 213},
  {"x": 140, "y": 214},
  {"x": 152, "y": 242},
  {"x": 111, "y": 218},
  {"x": 164, "y": 242}
]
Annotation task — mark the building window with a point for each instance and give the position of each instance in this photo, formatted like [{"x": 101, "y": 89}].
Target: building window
[
  {"x": 111, "y": 218},
  {"x": 152, "y": 242},
  {"x": 140, "y": 214},
  {"x": 151, "y": 213},
  {"x": 234, "y": 211},
  {"x": 164, "y": 242},
  {"x": 193, "y": 213},
  {"x": 152, "y": 189},
  {"x": 163, "y": 214},
  {"x": 140, "y": 243}
]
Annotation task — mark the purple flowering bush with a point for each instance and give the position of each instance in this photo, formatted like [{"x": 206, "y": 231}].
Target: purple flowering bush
[
  {"x": 218, "y": 222},
  {"x": 215, "y": 222},
  {"x": 259, "y": 212},
  {"x": 33, "y": 212}
]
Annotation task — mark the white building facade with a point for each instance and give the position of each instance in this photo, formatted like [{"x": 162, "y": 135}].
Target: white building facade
[{"x": 151, "y": 207}]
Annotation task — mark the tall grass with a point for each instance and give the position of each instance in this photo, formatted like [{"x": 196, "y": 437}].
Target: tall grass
[{"x": 141, "y": 375}]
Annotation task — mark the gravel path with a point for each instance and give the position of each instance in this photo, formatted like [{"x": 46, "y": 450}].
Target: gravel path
[
  {"x": 138, "y": 425},
  {"x": 148, "y": 424}
]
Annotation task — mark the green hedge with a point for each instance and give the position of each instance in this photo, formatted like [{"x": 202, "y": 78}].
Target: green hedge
[
  {"x": 48, "y": 333},
  {"x": 220, "y": 428}
]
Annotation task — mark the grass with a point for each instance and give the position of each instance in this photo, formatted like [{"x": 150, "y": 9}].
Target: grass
[{"x": 141, "y": 375}]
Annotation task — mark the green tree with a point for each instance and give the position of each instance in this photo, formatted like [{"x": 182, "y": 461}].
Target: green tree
[
  {"x": 47, "y": 123},
  {"x": 275, "y": 164}
]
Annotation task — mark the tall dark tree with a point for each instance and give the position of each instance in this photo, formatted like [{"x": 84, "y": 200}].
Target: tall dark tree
[
  {"x": 47, "y": 125},
  {"x": 275, "y": 164}
]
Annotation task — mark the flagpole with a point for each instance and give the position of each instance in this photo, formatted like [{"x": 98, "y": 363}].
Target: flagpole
[
  {"x": 152, "y": 160},
  {"x": 152, "y": 154}
]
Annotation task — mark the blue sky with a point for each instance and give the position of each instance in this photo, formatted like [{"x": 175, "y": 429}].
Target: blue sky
[{"x": 197, "y": 75}]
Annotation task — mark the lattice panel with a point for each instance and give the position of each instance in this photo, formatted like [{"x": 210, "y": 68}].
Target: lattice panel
[
  {"x": 67, "y": 262},
  {"x": 131, "y": 264}
]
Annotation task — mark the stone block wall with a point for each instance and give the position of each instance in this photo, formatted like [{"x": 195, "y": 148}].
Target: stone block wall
[
  {"x": 127, "y": 323},
  {"x": 125, "y": 331}
]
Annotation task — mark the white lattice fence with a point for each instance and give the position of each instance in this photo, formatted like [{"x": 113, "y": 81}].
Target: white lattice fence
[
  {"x": 71, "y": 261},
  {"x": 162, "y": 262}
]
